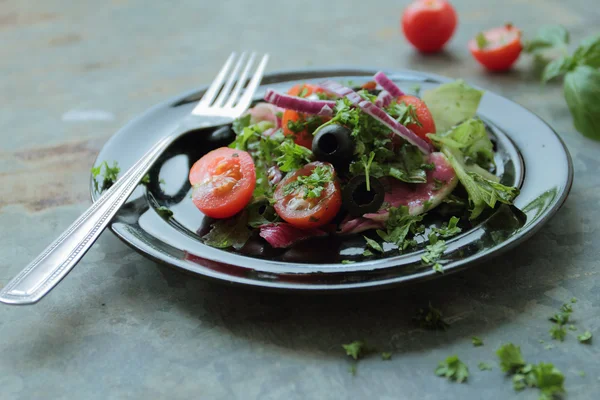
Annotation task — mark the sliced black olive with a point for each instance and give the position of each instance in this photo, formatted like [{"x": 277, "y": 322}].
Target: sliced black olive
[
  {"x": 334, "y": 145},
  {"x": 358, "y": 200}
]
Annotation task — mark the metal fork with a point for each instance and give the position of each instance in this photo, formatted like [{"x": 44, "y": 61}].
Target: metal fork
[{"x": 58, "y": 259}]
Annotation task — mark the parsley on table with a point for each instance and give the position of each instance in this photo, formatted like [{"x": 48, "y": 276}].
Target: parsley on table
[
  {"x": 355, "y": 349},
  {"x": 585, "y": 337},
  {"x": 109, "y": 175},
  {"x": 164, "y": 212},
  {"x": 386, "y": 356},
  {"x": 558, "y": 332},
  {"x": 484, "y": 366},
  {"x": 453, "y": 369},
  {"x": 510, "y": 357},
  {"x": 581, "y": 373},
  {"x": 311, "y": 185},
  {"x": 572, "y": 327},
  {"x": 544, "y": 376},
  {"x": 476, "y": 341},
  {"x": 573, "y": 299},
  {"x": 431, "y": 318}
]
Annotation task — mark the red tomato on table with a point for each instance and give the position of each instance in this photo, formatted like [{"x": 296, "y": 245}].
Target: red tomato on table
[
  {"x": 300, "y": 210},
  {"x": 497, "y": 49},
  {"x": 429, "y": 24},
  {"x": 223, "y": 181},
  {"x": 426, "y": 124}
]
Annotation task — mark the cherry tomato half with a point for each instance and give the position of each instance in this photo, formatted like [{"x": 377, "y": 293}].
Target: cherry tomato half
[
  {"x": 427, "y": 125},
  {"x": 297, "y": 208},
  {"x": 429, "y": 24},
  {"x": 292, "y": 122},
  {"x": 304, "y": 90},
  {"x": 497, "y": 49},
  {"x": 223, "y": 182}
]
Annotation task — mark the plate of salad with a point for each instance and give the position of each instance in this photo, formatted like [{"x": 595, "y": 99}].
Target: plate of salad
[{"x": 341, "y": 179}]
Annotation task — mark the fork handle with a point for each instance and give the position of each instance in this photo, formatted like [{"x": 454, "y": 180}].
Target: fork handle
[{"x": 57, "y": 260}]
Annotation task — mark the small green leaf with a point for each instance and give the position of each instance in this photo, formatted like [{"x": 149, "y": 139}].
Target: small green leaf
[
  {"x": 373, "y": 244},
  {"x": 585, "y": 337},
  {"x": 454, "y": 369},
  {"x": 386, "y": 356},
  {"x": 355, "y": 349},
  {"x": 484, "y": 366},
  {"x": 348, "y": 262},
  {"x": 231, "y": 232},
  {"x": 476, "y": 341},
  {"x": 573, "y": 299},
  {"x": 558, "y": 332},
  {"x": 510, "y": 357},
  {"x": 482, "y": 42}
]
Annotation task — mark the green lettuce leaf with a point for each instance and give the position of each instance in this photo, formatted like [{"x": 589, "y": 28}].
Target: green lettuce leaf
[
  {"x": 230, "y": 232},
  {"x": 482, "y": 192},
  {"x": 452, "y": 103},
  {"x": 471, "y": 139}
]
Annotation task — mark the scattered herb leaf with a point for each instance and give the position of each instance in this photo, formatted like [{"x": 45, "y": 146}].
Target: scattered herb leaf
[
  {"x": 454, "y": 369},
  {"x": 476, "y": 341},
  {"x": 585, "y": 337},
  {"x": 386, "y": 356},
  {"x": 484, "y": 366}
]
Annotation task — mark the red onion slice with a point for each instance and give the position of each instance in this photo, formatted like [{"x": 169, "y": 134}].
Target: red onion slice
[
  {"x": 387, "y": 84},
  {"x": 319, "y": 107},
  {"x": 383, "y": 99},
  {"x": 378, "y": 114}
]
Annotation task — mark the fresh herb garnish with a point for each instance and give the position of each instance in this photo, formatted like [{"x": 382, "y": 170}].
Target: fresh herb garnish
[
  {"x": 510, "y": 357},
  {"x": 109, "y": 176},
  {"x": 386, "y": 356},
  {"x": 433, "y": 252},
  {"x": 311, "y": 185},
  {"x": 399, "y": 224},
  {"x": 476, "y": 341},
  {"x": 544, "y": 376},
  {"x": 373, "y": 244},
  {"x": 453, "y": 369},
  {"x": 292, "y": 156},
  {"x": 355, "y": 349},
  {"x": 484, "y": 366},
  {"x": 431, "y": 318},
  {"x": 558, "y": 332},
  {"x": 581, "y": 70},
  {"x": 585, "y": 337},
  {"x": 448, "y": 229},
  {"x": 482, "y": 42}
]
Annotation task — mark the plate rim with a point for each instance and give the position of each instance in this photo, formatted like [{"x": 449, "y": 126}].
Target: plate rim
[{"x": 347, "y": 71}]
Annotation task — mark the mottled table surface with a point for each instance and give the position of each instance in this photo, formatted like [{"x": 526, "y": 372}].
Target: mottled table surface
[{"x": 121, "y": 326}]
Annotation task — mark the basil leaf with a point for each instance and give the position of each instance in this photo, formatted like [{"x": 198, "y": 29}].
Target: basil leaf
[
  {"x": 557, "y": 68},
  {"x": 582, "y": 93},
  {"x": 588, "y": 52},
  {"x": 548, "y": 36}
]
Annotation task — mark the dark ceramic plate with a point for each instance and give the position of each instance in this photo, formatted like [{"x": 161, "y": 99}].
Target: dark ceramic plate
[{"x": 530, "y": 155}]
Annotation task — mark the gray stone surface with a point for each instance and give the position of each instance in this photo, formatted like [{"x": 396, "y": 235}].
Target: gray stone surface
[{"x": 121, "y": 326}]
